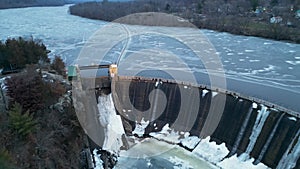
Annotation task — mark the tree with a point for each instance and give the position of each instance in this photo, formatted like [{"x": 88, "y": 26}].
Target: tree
[
  {"x": 59, "y": 66},
  {"x": 5, "y": 159},
  {"x": 254, "y": 4},
  {"x": 274, "y": 2},
  {"x": 22, "y": 123},
  {"x": 26, "y": 89},
  {"x": 167, "y": 7},
  {"x": 199, "y": 7}
]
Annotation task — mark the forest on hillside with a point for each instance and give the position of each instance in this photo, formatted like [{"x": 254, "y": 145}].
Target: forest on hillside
[
  {"x": 38, "y": 123},
  {"x": 27, "y": 3},
  {"x": 246, "y": 17}
]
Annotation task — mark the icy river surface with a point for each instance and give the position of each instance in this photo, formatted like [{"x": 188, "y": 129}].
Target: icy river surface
[{"x": 256, "y": 67}]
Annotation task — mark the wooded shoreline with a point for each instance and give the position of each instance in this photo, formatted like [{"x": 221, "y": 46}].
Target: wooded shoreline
[{"x": 221, "y": 17}]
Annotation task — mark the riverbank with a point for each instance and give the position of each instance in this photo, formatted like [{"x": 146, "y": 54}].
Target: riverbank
[{"x": 240, "y": 21}]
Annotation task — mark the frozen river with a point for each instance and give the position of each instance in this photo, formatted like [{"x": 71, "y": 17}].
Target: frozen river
[{"x": 256, "y": 67}]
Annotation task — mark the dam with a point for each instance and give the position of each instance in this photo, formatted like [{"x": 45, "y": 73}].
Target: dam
[{"x": 249, "y": 127}]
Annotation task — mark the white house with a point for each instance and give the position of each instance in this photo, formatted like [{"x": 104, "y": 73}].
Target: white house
[
  {"x": 276, "y": 19},
  {"x": 298, "y": 14}
]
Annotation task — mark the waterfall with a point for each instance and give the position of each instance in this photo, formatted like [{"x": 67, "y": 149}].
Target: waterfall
[
  {"x": 111, "y": 123},
  {"x": 241, "y": 133},
  {"x": 258, "y": 125},
  {"x": 266, "y": 146},
  {"x": 289, "y": 160}
]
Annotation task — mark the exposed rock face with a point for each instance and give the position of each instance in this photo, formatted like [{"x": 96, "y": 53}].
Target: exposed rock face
[{"x": 239, "y": 121}]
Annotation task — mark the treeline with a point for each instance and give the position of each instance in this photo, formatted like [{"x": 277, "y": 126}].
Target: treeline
[
  {"x": 109, "y": 11},
  {"x": 246, "y": 17},
  {"x": 27, "y": 3},
  {"x": 15, "y": 53}
]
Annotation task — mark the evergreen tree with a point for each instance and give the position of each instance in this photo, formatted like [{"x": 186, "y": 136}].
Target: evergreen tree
[
  {"x": 22, "y": 123},
  {"x": 5, "y": 159},
  {"x": 59, "y": 66}
]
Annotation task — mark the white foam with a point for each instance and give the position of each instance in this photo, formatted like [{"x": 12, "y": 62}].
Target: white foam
[
  {"x": 210, "y": 151},
  {"x": 255, "y": 60},
  {"x": 167, "y": 134},
  {"x": 235, "y": 163},
  {"x": 112, "y": 124},
  {"x": 267, "y": 43},
  {"x": 293, "y": 62},
  {"x": 179, "y": 163},
  {"x": 190, "y": 141},
  {"x": 98, "y": 161}
]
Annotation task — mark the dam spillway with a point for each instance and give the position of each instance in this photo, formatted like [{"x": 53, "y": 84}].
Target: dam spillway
[{"x": 265, "y": 131}]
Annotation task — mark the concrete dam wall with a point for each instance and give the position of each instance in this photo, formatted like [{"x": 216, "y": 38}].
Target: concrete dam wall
[{"x": 248, "y": 128}]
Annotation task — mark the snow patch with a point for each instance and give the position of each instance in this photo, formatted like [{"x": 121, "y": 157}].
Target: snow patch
[
  {"x": 2, "y": 81},
  {"x": 204, "y": 92},
  {"x": 292, "y": 118},
  {"x": 214, "y": 94},
  {"x": 140, "y": 128},
  {"x": 98, "y": 161},
  {"x": 254, "y": 105}
]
